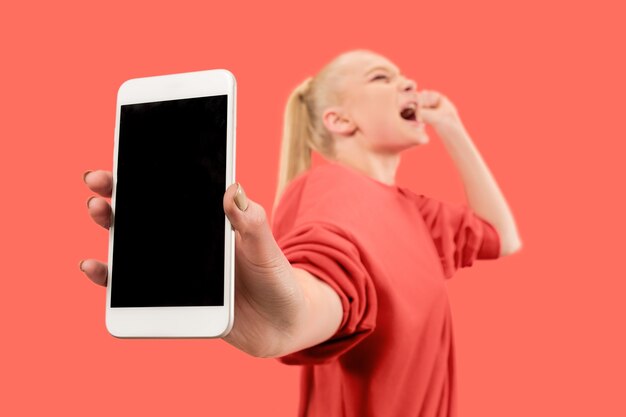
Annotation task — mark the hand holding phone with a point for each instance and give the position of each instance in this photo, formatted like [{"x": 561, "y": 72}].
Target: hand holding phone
[{"x": 266, "y": 298}]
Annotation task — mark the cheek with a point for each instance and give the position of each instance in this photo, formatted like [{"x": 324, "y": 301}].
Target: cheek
[
  {"x": 376, "y": 115},
  {"x": 382, "y": 120}
]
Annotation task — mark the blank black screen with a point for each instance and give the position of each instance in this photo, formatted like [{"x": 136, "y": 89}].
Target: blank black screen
[{"x": 168, "y": 247}]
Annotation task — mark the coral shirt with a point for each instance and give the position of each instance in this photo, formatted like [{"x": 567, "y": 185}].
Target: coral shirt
[{"x": 386, "y": 251}]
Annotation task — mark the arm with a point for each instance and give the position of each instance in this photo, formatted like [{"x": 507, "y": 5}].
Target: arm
[
  {"x": 303, "y": 312},
  {"x": 482, "y": 191},
  {"x": 319, "y": 318},
  {"x": 279, "y": 309}
]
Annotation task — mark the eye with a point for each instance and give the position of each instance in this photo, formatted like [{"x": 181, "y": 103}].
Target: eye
[{"x": 379, "y": 77}]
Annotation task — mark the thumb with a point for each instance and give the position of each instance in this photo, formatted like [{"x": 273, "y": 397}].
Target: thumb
[
  {"x": 249, "y": 220},
  {"x": 428, "y": 115}
]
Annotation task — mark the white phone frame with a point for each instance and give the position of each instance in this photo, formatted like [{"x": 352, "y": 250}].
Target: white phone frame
[{"x": 178, "y": 322}]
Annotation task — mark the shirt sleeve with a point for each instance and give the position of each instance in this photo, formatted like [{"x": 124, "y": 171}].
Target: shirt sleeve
[
  {"x": 459, "y": 234},
  {"x": 331, "y": 254}
]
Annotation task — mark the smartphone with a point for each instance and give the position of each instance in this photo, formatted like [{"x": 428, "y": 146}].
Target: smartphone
[{"x": 171, "y": 247}]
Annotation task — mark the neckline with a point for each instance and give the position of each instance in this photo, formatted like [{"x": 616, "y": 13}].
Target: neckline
[{"x": 392, "y": 187}]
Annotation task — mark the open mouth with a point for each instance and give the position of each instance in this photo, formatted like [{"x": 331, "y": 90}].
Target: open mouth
[{"x": 409, "y": 112}]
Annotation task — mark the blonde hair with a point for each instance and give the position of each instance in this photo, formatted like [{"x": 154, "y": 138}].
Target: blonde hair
[{"x": 303, "y": 129}]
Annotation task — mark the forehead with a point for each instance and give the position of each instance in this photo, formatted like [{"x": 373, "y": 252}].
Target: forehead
[{"x": 360, "y": 62}]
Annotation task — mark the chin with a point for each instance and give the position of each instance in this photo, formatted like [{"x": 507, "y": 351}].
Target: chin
[
  {"x": 420, "y": 139},
  {"x": 416, "y": 135}
]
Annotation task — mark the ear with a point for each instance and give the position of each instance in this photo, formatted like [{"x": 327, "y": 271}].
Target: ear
[{"x": 337, "y": 122}]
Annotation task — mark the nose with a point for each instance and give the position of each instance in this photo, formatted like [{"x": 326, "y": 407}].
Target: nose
[{"x": 408, "y": 85}]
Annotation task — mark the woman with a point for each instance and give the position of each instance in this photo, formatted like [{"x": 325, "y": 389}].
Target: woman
[{"x": 350, "y": 279}]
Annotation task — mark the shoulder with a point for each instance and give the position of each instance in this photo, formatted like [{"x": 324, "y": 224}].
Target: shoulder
[
  {"x": 323, "y": 192},
  {"x": 320, "y": 184}
]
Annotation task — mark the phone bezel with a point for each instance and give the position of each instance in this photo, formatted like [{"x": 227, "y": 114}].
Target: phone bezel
[{"x": 184, "y": 321}]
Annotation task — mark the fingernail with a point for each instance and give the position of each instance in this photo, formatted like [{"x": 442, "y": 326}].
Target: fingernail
[
  {"x": 80, "y": 265},
  {"x": 89, "y": 200},
  {"x": 85, "y": 176},
  {"x": 241, "y": 200}
]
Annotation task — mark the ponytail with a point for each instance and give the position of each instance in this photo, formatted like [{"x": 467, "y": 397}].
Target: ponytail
[
  {"x": 298, "y": 137},
  {"x": 303, "y": 129}
]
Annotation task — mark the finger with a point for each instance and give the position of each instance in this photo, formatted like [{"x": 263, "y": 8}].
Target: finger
[
  {"x": 100, "y": 211},
  {"x": 436, "y": 99},
  {"x": 430, "y": 98},
  {"x": 423, "y": 99},
  {"x": 249, "y": 219},
  {"x": 95, "y": 271},
  {"x": 99, "y": 181},
  {"x": 428, "y": 116}
]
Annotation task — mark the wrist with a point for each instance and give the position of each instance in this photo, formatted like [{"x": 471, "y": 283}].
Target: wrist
[{"x": 450, "y": 128}]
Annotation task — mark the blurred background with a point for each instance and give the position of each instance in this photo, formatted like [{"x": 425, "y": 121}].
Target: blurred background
[{"x": 539, "y": 85}]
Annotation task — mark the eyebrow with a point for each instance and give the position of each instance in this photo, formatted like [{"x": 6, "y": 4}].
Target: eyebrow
[{"x": 380, "y": 67}]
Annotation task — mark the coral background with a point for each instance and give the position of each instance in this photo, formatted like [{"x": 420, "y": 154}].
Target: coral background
[{"x": 540, "y": 87}]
